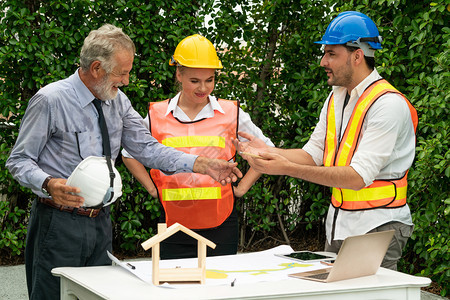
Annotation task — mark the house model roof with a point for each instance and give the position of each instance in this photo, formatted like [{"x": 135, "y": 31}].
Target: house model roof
[{"x": 172, "y": 230}]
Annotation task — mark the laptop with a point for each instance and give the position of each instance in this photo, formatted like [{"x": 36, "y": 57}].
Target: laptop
[{"x": 359, "y": 255}]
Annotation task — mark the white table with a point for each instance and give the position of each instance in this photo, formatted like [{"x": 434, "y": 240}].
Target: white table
[{"x": 114, "y": 282}]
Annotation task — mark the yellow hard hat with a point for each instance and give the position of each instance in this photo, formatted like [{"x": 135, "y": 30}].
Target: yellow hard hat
[{"x": 196, "y": 51}]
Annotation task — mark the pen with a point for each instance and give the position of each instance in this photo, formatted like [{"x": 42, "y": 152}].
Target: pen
[
  {"x": 250, "y": 154},
  {"x": 232, "y": 283},
  {"x": 327, "y": 263},
  {"x": 131, "y": 266}
]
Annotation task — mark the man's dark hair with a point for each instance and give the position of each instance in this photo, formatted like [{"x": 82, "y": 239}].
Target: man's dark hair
[{"x": 370, "y": 61}]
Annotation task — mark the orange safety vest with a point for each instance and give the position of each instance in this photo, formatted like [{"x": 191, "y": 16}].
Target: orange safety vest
[
  {"x": 194, "y": 200},
  {"x": 389, "y": 193}
]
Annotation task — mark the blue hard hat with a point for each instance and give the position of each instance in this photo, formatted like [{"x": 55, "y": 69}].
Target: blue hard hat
[{"x": 352, "y": 27}]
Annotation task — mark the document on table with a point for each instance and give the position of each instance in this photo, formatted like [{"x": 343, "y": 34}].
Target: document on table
[
  {"x": 227, "y": 269},
  {"x": 143, "y": 272}
]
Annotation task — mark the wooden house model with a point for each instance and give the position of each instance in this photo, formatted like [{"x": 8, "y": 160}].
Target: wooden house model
[{"x": 177, "y": 274}]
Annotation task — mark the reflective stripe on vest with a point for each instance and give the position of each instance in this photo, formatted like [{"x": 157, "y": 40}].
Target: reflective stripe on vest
[
  {"x": 204, "y": 193},
  {"x": 195, "y": 200},
  {"x": 194, "y": 141},
  {"x": 381, "y": 193}
]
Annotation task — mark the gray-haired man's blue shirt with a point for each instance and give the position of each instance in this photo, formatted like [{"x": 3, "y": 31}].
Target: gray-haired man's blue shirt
[{"x": 60, "y": 128}]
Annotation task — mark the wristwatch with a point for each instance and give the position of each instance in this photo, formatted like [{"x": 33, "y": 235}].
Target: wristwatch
[{"x": 44, "y": 186}]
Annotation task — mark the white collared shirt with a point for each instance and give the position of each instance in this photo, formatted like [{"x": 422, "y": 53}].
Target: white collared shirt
[
  {"x": 245, "y": 122},
  {"x": 386, "y": 150}
]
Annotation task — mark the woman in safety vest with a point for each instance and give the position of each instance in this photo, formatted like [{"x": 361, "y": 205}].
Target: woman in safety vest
[{"x": 195, "y": 122}]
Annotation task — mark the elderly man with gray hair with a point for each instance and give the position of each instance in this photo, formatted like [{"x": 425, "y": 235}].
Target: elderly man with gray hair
[{"x": 65, "y": 123}]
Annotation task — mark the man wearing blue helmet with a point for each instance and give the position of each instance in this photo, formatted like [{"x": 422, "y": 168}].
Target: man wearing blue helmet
[{"x": 362, "y": 146}]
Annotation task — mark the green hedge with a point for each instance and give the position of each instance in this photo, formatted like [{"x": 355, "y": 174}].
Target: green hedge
[{"x": 272, "y": 66}]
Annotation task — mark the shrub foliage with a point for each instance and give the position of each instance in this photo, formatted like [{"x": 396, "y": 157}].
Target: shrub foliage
[{"x": 272, "y": 66}]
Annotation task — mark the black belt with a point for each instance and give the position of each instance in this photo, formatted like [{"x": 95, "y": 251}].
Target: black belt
[{"x": 88, "y": 212}]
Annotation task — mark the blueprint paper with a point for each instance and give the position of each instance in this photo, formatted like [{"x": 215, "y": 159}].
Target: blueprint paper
[{"x": 223, "y": 270}]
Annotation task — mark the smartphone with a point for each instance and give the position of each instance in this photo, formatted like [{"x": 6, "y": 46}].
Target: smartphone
[{"x": 307, "y": 256}]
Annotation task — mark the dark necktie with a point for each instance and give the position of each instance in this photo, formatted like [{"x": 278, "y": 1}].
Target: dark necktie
[
  {"x": 347, "y": 97},
  {"x": 103, "y": 128},
  {"x": 106, "y": 148}
]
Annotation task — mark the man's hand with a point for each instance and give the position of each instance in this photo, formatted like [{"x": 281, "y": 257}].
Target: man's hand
[
  {"x": 261, "y": 158},
  {"x": 63, "y": 194},
  {"x": 220, "y": 170},
  {"x": 269, "y": 163}
]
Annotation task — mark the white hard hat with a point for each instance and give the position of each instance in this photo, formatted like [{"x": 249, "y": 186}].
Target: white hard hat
[{"x": 92, "y": 177}]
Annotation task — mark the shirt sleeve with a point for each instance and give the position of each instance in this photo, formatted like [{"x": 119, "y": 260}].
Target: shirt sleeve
[
  {"x": 146, "y": 123},
  {"x": 35, "y": 130},
  {"x": 387, "y": 125},
  {"x": 246, "y": 125}
]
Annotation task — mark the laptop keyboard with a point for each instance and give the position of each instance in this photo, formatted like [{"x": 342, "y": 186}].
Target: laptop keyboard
[{"x": 319, "y": 276}]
